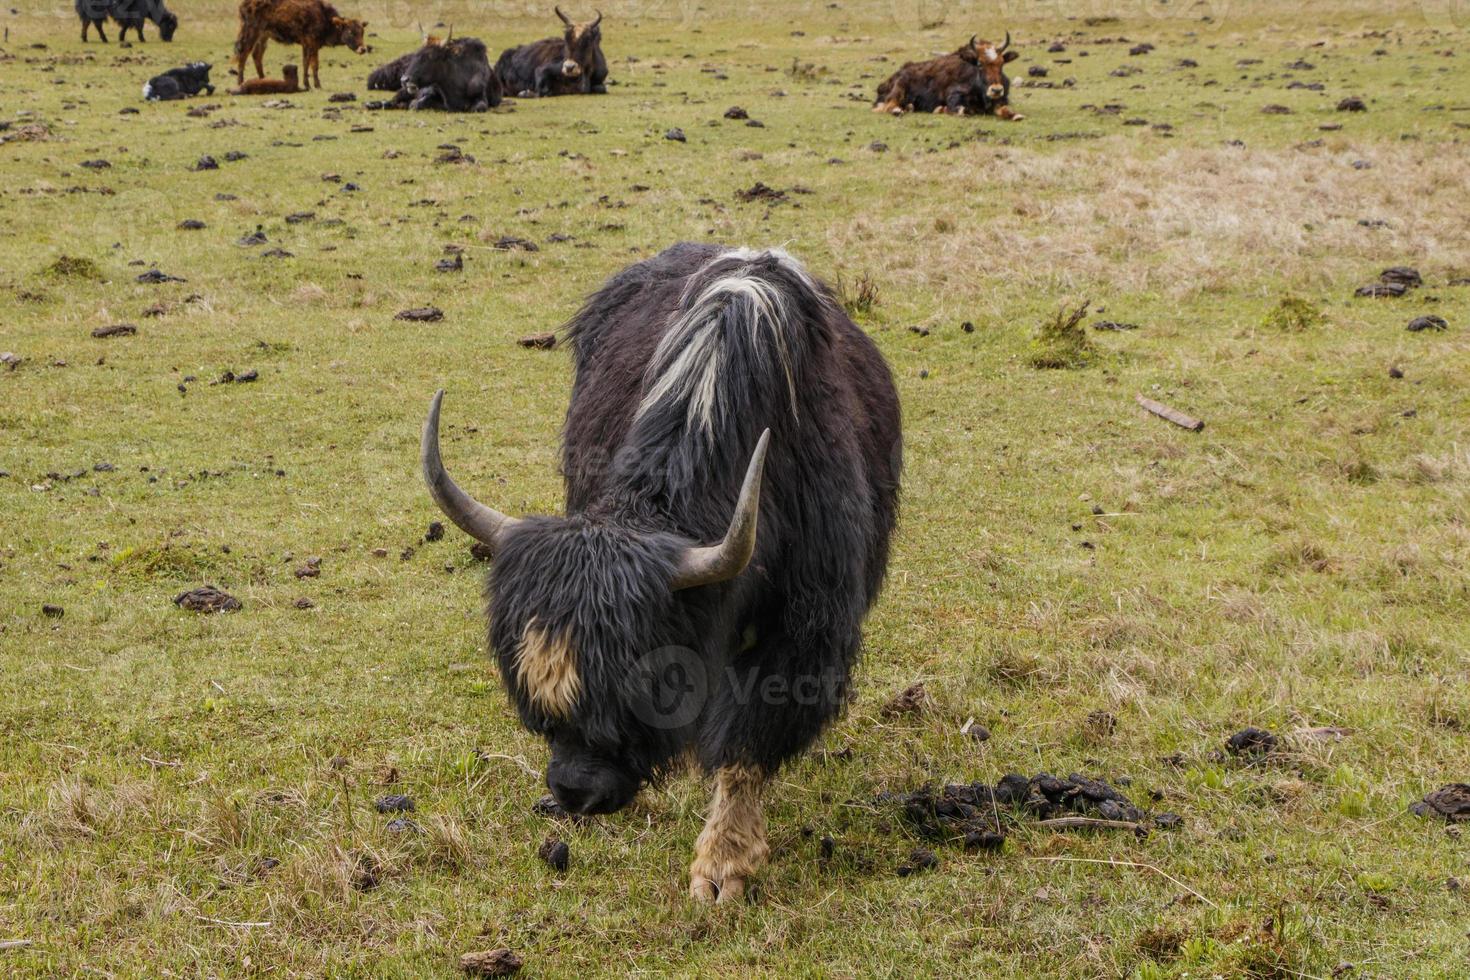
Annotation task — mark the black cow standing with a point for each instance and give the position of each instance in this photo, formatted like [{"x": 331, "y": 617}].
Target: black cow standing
[
  {"x": 129, "y": 14},
  {"x": 732, "y": 455},
  {"x": 572, "y": 64}
]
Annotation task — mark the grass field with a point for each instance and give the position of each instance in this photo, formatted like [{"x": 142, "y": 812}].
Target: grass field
[{"x": 185, "y": 795}]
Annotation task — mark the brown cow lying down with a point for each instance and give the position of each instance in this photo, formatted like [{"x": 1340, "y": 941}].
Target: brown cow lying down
[
  {"x": 312, "y": 24},
  {"x": 970, "y": 81},
  {"x": 271, "y": 86}
]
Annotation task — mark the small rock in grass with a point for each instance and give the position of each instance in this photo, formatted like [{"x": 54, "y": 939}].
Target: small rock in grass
[
  {"x": 205, "y": 162},
  {"x": 1352, "y": 104},
  {"x": 394, "y": 803},
  {"x": 555, "y": 853},
  {"x": 735, "y": 112},
  {"x": 1252, "y": 742},
  {"x": 677, "y": 135},
  {"x": 491, "y": 963},
  {"x": 402, "y": 825},
  {"x": 207, "y": 599},
  {"x": 304, "y": 603}
]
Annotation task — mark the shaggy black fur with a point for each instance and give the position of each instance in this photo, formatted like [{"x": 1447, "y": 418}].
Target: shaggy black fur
[
  {"x": 451, "y": 75},
  {"x": 129, "y": 14},
  {"x": 539, "y": 68},
  {"x": 389, "y": 77},
  {"x": 179, "y": 83},
  {"x": 765, "y": 657}
]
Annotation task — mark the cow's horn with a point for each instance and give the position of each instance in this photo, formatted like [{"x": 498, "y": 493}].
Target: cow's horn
[
  {"x": 564, "y": 18},
  {"x": 974, "y": 39},
  {"x": 599, "y": 18},
  {"x": 1007, "y": 44},
  {"x": 485, "y": 524},
  {"x": 724, "y": 561}
]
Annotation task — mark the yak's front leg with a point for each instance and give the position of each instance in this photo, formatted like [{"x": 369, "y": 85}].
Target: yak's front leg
[{"x": 732, "y": 847}]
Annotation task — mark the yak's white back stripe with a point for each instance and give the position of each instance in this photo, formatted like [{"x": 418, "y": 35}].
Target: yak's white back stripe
[{"x": 689, "y": 363}]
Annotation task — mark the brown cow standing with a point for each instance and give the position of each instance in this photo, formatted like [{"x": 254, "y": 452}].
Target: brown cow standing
[
  {"x": 970, "y": 80},
  {"x": 312, "y": 24}
]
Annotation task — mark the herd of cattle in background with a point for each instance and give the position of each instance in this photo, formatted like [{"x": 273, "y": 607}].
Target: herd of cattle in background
[{"x": 455, "y": 74}]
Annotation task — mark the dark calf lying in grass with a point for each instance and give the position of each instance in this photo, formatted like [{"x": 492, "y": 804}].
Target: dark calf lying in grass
[
  {"x": 179, "y": 83},
  {"x": 572, "y": 64},
  {"x": 128, "y": 14}
]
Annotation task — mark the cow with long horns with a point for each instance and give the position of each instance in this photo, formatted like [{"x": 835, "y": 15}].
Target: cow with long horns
[
  {"x": 572, "y": 64},
  {"x": 971, "y": 80},
  {"x": 731, "y": 456}
]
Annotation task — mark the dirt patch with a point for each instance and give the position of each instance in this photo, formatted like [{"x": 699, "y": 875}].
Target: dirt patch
[
  {"x": 761, "y": 192},
  {"x": 492, "y": 963},
  {"x": 207, "y": 599},
  {"x": 1293, "y": 314},
  {"x": 1252, "y": 743},
  {"x": 73, "y": 267},
  {"x": 116, "y": 330},
  {"x": 912, "y": 700}
]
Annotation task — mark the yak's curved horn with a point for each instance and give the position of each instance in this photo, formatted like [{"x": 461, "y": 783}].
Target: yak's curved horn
[
  {"x": 599, "y": 18},
  {"x": 485, "y": 524},
  {"x": 564, "y": 18},
  {"x": 724, "y": 561},
  {"x": 1007, "y": 44},
  {"x": 974, "y": 39}
]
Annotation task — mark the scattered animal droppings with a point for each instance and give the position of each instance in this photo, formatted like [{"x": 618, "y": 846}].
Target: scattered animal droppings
[
  {"x": 1429, "y": 322},
  {"x": 556, "y": 854},
  {"x": 421, "y": 314},
  {"x": 116, "y": 330},
  {"x": 1252, "y": 743}
]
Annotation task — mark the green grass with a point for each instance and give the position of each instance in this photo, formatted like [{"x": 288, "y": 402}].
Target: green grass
[{"x": 1301, "y": 562}]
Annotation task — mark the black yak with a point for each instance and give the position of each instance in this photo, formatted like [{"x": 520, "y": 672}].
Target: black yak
[
  {"x": 572, "y": 64},
  {"x": 129, "y": 14},
  {"x": 731, "y": 455},
  {"x": 451, "y": 75}
]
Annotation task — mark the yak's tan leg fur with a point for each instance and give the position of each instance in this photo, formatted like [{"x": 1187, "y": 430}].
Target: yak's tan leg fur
[{"x": 732, "y": 847}]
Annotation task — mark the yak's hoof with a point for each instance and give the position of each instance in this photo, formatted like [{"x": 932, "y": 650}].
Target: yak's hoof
[{"x": 707, "y": 890}]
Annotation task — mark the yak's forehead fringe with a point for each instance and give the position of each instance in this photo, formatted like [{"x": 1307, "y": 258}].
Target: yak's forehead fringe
[{"x": 733, "y": 291}]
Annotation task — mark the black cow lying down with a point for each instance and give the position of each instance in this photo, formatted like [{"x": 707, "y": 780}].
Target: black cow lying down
[
  {"x": 389, "y": 77},
  {"x": 572, "y": 64},
  {"x": 451, "y": 75},
  {"x": 179, "y": 83},
  {"x": 731, "y": 455}
]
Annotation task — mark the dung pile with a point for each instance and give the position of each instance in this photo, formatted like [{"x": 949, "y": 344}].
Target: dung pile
[{"x": 973, "y": 813}]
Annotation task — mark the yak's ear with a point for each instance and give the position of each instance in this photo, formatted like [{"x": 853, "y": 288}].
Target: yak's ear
[{"x": 1011, "y": 56}]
